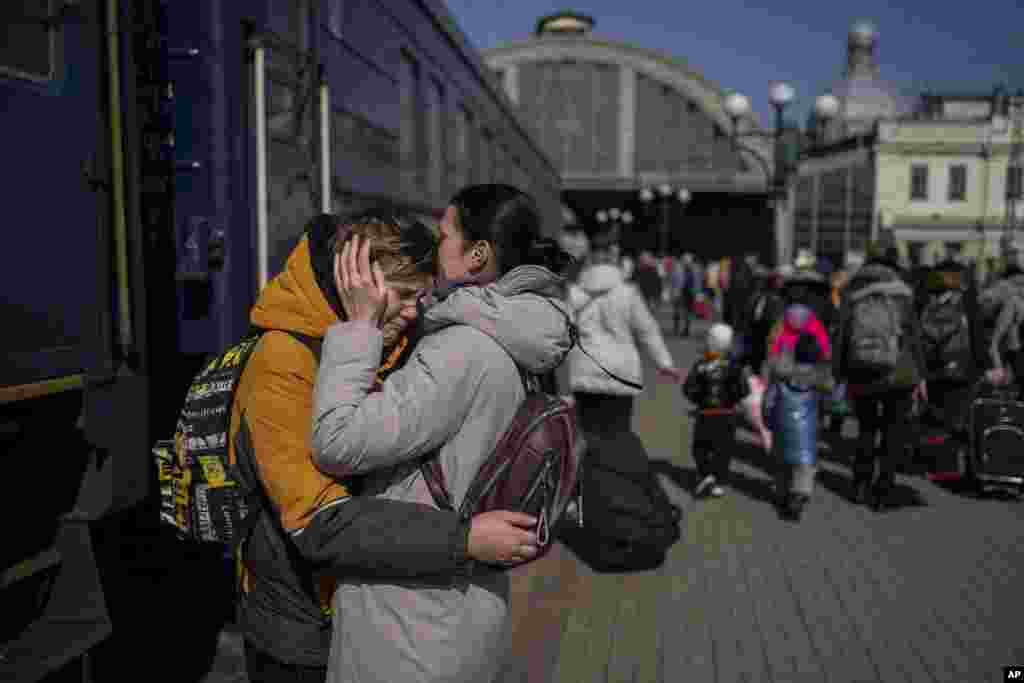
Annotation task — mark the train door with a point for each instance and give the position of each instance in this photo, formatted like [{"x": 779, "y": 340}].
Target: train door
[
  {"x": 59, "y": 314},
  {"x": 53, "y": 186}
]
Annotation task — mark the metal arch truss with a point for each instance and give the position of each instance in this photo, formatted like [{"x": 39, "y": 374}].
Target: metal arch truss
[{"x": 774, "y": 181}]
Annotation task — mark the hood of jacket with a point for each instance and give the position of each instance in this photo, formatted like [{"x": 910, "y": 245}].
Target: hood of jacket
[
  {"x": 521, "y": 311},
  {"x": 788, "y": 334},
  {"x": 297, "y": 299},
  {"x": 600, "y": 278},
  {"x": 887, "y": 287},
  {"x": 876, "y": 270}
]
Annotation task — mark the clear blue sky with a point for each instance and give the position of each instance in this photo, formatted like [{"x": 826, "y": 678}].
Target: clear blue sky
[{"x": 744, "y": 44}]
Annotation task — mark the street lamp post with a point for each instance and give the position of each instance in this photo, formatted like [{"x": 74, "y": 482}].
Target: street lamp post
[
  {"x": 781, "y": 95},
  {"x": 614, "y": 217},
  {"x": 667, "y": 194}
]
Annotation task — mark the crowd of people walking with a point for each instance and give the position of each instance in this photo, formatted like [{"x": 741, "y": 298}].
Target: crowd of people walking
[{"x": 805, "y": 345}]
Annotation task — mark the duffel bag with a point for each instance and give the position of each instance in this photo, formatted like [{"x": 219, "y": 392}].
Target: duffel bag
[{"x": 627, "y": 522}]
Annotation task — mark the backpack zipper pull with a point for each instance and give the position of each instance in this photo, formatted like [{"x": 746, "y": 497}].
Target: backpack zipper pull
[{"x": 543, "y": 531}]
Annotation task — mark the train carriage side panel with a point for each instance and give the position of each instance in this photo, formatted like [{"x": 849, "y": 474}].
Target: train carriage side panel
[
  {"x": 372, "y": 128},
  {"x": 54, "y": 150}
]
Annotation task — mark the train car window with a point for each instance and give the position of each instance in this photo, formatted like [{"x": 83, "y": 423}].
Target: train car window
[
  {"x": 486, "y": 167},
  {"x": 438, "y": 123},
  {"x": 413, "y": 131},
  {"x": 464, "y": 146},
  {"x": 28, "y": 46},
  {"x": 300, "y": 18}
]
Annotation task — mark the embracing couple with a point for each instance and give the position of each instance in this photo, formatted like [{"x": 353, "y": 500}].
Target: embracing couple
[{"x": 356, "y": 575}]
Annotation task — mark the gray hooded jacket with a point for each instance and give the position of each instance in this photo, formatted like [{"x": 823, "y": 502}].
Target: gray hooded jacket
[{"x": 458, "y": 393}]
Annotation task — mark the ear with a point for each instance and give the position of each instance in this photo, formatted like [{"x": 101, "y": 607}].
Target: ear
[{"x": 479, "y": 255}]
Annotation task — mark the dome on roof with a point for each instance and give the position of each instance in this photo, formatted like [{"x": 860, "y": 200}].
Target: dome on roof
[
  {"x": 863, "y": 33},
  {"x": 864, "y": 96},
  {"x": 566, "y": 22}
]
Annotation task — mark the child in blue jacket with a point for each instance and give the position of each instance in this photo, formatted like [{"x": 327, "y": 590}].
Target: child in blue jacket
[{"x": 796, "y": 377}]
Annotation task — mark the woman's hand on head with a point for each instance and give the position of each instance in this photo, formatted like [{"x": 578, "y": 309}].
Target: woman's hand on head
[{"x": 361, "y": 286}]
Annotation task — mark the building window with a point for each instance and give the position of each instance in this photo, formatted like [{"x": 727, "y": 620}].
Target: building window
[
  {"x": 919, "y": 182},
  {"x": 1015, "y": 181},
  {"x": 957, "y": 183},
  {"x": 27, "y": 46}
]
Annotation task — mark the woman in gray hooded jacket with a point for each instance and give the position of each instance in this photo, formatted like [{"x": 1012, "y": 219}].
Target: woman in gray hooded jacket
[{"x": 496, "y": 313}]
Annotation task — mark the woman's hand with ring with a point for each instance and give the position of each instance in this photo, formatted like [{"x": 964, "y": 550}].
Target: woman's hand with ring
[{"x": 361, "y": 287}]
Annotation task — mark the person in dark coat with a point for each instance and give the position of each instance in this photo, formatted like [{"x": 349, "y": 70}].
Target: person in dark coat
[
  {"x": 882, "y": 399},
  {"x": 950, "y": 387},
  {"x": 765, "y": 311},
  {"x": 741, "y": 286}
]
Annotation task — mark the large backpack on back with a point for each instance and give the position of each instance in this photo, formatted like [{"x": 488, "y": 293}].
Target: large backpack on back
[
  {"x": 876, "y": 330},
  {"x": 945, "y": 330}
]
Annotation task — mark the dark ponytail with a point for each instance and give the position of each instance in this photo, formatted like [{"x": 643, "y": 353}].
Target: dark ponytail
[
  {"x": 509, "y": 220},
  {"x": 547, "y": 252}
]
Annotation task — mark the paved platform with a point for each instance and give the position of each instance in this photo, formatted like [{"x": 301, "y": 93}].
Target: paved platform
[{"x": 931, "y": 591}]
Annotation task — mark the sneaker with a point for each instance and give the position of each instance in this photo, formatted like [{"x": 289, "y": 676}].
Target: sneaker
[
  {"x": 705, "y": 483},
  {"x": 862, "y": 492},
  {"x": 717, "y": 491},
  {"x": 791, "y": 506},
  {"x": 881, "y": 494}
]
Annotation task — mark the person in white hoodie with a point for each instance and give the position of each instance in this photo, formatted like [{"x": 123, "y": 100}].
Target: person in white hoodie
[{"x": 604, "y": 368}]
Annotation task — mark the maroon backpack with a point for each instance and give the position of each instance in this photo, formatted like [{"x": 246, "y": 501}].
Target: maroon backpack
[{"x": 533, "y": 469}]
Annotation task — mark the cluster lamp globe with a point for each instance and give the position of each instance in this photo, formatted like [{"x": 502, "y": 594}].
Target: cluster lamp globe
[
  {"x": 780, "y": 94},
  {"x": 826, "y": 106},
  {"x": 736, "y": 105}
]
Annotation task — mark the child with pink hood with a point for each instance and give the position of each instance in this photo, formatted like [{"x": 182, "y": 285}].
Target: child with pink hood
[{"x": 798, "y": 370}]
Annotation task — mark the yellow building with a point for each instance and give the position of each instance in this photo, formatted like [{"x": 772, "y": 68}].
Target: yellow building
[{"x": 942, "y": 172}]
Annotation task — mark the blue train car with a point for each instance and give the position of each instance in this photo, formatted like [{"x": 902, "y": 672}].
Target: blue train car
[{"x": 162, "y": 159}]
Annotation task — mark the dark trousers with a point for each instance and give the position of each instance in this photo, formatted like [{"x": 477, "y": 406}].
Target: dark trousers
[
  {"x": 604, "y": 413},
  {"x": 714, "y": 438},
  {"x": 884, "y": 414},
  {"x": 262, "y": 668},
  {"x": 683, "y": 309}
]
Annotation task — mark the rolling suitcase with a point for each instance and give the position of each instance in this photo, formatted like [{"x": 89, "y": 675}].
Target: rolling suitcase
[{"x": 997, "y": 441}]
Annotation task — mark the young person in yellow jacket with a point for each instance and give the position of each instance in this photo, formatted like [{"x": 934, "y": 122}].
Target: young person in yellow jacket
[{"x": 316, "y": 530}]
